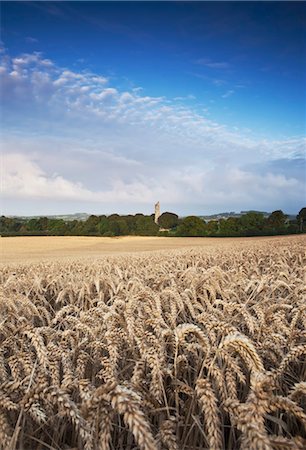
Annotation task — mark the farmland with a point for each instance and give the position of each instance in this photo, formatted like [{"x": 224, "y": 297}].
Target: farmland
[
  {"x": 35, "y": 249},
  {"x": 107, "y": 344}
]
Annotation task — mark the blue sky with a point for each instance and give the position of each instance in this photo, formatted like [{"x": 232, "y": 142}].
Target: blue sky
[{"x": 109, "y": 106}]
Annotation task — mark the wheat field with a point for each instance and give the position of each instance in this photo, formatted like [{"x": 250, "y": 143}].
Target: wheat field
[
  {"x": 27, "y": 249},
  {"x": 197, "y": 348}
]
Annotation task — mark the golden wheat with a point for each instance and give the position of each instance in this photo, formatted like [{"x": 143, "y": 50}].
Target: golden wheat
[{"x": 180, "y": 350}]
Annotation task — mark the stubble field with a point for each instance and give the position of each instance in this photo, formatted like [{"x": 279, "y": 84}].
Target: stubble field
[{"x": 191, "y": 348}]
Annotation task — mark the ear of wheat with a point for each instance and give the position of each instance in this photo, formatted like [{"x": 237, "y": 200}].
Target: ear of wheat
[{"x": 188, "y": 349}]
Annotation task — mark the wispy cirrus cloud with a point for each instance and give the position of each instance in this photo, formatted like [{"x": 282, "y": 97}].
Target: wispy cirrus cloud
[
  {"x": 228, "y": 93},
  {"x": 218, "y": 82},
  {"x": 212, "y": 64},
  {"x": 31, "y": 40},
  {"x": 75, "y": 136}
]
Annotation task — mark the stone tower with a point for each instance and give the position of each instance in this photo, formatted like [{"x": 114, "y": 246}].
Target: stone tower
[{"x": 157, "y": 212}]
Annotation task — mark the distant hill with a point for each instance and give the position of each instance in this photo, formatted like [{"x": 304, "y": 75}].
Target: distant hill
[
  {"x": 207, "y": 218},
  {"x": 226, "y": 215},
  {"x": 66, "y": 217}
]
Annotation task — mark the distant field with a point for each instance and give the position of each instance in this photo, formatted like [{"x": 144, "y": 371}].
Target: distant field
[{"x": 23, "y": 249}]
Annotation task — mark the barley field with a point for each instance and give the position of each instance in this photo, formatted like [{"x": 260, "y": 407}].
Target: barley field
[{"x": 183, "y": 349}]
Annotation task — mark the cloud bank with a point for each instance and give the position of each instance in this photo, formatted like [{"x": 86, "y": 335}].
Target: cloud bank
[{"x": 77, "y": 138}]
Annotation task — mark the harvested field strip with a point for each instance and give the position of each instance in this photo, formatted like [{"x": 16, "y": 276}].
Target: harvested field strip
[{"x": 188, "y": 349}]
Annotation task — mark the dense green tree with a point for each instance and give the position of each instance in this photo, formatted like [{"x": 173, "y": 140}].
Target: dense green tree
[
  {"x": 72, "y": 227},
  {"x": 43, "y": 223},
  {"x": 301, "y": 218},
  {"x": 33, "y": 225},
  {"x": 229, "y": 227},
  {"x": 252, "y": 223},
  {"x": 168, "y": 220},
  {"x": 293, "y": 227},
  {"x": 191, "y": 226},
  {"x": 277, "y": 221},
  {"x": 57, "y": 227},
  {"x": 118, "y": 227},
  {"x": 103, "y": 226},
  {"x": 10, "y": 224},
  {"x": 145, "y": 226},
  {"x": 249, "y": 224},
  {"x": 23, "y": 230},
  {"x": 131, "y": 223},
  {"x": 123, "y": 227},
  {"x": 114, "y": 216},
  {"x": 212, "y": 227},
  {"x": 90, "y": 226}
]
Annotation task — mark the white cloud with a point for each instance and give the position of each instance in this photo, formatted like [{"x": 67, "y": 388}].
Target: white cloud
[
  {"x": 228, "y": 93},
  {"x": 123, "y": 146},
  {"x": 218, "y": 82},
  {"x": 31, "y": 58},
  {"x": 210, "y": 188},
  {"x": 106, "y": 93},
  {"x": 89, "y": 98},
  {"x": 23, "y": 178},
  {"x": 99, "y": 79}
]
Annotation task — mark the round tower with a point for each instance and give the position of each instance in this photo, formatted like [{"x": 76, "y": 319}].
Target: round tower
[{"x": 157, "y": 212}]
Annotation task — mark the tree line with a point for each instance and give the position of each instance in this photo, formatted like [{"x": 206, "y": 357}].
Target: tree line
[{"x": 169, "y": 224}]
